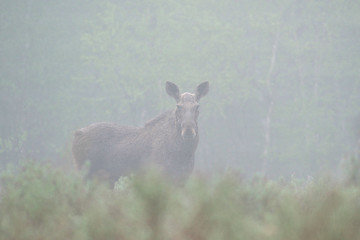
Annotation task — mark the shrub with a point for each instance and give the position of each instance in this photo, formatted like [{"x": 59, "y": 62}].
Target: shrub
[{"x": 40, "y": 202}]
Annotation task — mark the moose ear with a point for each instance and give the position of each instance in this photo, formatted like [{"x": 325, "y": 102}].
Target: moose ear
[
  {"x": 173, "y": 90},
  {"x": 202, "y": 90}
]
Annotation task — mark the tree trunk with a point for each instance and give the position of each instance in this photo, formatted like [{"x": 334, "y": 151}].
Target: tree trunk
[{"x": 270, "y": 105}]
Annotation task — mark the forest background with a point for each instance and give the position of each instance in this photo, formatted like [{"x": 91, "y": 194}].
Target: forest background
[{"x": 284, "y": 77}]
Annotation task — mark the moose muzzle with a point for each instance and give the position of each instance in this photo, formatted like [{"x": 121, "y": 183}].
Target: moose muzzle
[{"x": 188, "y": 131}]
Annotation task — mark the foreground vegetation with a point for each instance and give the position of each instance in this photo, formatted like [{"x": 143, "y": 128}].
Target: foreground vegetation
[{"x": 40, "y": 202}]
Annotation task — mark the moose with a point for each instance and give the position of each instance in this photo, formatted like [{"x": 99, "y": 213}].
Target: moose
[{"x": 168, "y": 141}]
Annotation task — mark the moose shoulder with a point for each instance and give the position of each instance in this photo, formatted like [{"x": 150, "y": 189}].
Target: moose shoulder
[{"x": 168, "y": 141}]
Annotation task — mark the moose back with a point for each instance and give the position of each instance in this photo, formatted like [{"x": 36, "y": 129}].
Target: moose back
[{"x": 168, "y": 141}]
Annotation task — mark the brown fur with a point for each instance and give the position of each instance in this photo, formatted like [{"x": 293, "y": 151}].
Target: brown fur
[{"x": 113, "y": 150}]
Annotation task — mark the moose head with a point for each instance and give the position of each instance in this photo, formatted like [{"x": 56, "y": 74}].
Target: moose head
[{"x": 187, "y": 108}]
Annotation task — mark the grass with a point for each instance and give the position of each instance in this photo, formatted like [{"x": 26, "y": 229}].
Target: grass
[{"x": 40, "y": 202}]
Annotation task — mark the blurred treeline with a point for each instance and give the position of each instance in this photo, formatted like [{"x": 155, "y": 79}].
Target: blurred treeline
[{"x": 284, "y": 76}]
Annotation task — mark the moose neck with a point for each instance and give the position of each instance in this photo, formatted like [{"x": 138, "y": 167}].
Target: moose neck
[{"x": 166, "y": 123}]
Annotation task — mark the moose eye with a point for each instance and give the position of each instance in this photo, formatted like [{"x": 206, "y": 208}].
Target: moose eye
[{"x": 196, "y": 107}]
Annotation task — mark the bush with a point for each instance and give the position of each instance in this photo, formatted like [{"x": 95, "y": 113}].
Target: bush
[{"x": 40, "y": 202}]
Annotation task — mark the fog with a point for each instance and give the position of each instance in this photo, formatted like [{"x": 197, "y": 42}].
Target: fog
[{"x": 284, "y": 77}]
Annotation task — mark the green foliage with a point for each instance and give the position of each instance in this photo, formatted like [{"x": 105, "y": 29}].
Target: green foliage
[{"x": 40, "y": 202}]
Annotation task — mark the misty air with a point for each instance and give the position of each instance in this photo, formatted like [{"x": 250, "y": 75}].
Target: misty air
[{"x": 179, "y": 119}]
